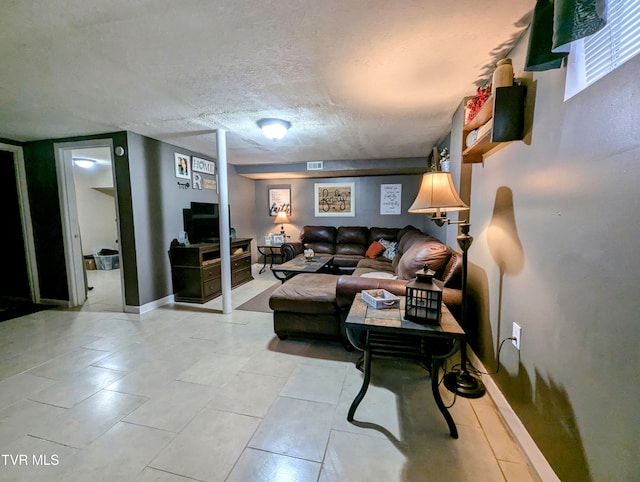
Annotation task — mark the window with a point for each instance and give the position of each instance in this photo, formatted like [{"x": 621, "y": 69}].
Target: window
[{"x": 594, "y": 57}]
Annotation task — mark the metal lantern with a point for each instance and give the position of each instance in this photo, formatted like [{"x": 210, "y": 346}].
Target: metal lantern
[{"x": 423, "y": 302}]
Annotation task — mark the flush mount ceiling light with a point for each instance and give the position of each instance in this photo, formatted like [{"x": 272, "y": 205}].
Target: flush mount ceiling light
[
  {"x": 274, "y": 129},
  {"x": 84, "y": 163}
]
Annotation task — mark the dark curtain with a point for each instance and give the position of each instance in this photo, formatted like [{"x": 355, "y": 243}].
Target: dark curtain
[{"x": 556, "y": 24}]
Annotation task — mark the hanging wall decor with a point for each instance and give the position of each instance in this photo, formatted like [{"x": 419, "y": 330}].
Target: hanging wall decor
[
  {"x": 183, "y": 169},
  {"x": 279, "y": 200},
  {"x": 390, "y": 198},
  {"x": 335, "y": 199}
]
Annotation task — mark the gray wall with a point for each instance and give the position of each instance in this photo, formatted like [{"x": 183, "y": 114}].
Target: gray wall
[
  {"x": 556, "y": 237},
  {"x": 367, "y": 193},
  {"x": 158, "y": 201}
]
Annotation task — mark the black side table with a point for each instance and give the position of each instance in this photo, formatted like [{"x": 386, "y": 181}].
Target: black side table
[
  {"x": 386, "y": 333},
  {"x": 269, "y": 253}
]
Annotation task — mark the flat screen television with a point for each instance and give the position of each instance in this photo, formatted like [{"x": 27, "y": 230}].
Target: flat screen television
[{"x": 202, "y": 222}]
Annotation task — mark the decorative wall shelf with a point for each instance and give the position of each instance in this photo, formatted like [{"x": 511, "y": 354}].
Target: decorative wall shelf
[{"x": 506, "y": 110}]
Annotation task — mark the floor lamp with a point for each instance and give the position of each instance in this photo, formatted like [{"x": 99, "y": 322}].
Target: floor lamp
[{"x": 437, "y": 196}]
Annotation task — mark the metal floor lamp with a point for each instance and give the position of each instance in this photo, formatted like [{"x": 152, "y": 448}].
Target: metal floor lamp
[{"x": 437, "y": 196}]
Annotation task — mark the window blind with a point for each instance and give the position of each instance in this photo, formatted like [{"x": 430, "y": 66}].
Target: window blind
[{"x": 595, "y": 56}]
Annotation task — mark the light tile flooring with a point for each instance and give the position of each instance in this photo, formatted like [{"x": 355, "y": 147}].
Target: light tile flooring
[{"x": 186, "y": 393}]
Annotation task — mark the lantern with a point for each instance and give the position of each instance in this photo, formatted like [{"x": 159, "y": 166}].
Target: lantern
[{"x": 423, "y": 302}]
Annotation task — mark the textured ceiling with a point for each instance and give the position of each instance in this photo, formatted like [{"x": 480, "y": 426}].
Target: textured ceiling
[{"x": 357, "y": 79}]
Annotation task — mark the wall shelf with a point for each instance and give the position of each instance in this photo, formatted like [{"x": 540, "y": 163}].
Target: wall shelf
[{"x": 506, "y": 112}]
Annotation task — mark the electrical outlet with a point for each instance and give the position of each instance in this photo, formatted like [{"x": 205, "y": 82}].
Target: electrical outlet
[{"x": 517, "y": 334}]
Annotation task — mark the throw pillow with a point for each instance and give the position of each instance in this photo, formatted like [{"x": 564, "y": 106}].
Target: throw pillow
[
  {"x": 374, "y": 250},
  {"x": 391, "y": 249}
]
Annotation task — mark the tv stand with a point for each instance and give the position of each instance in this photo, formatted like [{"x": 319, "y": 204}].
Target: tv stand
[{"x": 196, "y": 271}]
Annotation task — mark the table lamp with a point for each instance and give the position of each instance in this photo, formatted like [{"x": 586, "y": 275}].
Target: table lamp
[
  {"x": 437, "y": 196},
  {"x": 281, "y": 218}
]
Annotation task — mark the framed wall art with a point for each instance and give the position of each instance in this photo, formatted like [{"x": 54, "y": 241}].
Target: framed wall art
[
  {"x": 279, "y": 200},
  {"x": 335, "y": 199},
  {"x": 390, "y": 198},
  {"x": 182, "y": 165}
]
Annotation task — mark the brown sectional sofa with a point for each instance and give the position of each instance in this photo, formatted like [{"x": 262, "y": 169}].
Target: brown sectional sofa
[{"x": 315, "y": 305}]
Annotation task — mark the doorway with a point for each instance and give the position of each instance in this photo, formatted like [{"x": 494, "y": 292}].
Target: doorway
[
  {"x": 18, "y": 278},
  {"x": 90, "y": 225}
]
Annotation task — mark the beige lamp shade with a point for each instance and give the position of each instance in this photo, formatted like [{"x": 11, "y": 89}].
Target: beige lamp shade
[
  {"x": 281, "y": 217},
  {"x": 437, "y": 194}
]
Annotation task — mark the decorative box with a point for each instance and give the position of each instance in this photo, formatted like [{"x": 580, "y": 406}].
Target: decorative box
[{"x": 380, "y": 299}]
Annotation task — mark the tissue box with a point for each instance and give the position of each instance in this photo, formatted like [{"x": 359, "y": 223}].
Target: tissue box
[{"x": 380, "y": 299}]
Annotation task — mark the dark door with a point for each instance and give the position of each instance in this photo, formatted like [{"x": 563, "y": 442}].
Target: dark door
[{"x": 14, "y": 275}]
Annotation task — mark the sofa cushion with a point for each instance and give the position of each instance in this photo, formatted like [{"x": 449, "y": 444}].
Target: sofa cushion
[
  {"x": 409, "y": 238},
  {"x": 378, "y": 264},
  {"x": 374, "y": 250},
  {"x": 405, "y": 230},
  {"x": 313, "y": 293},
  {"x": 352, "y": 235},
  {"x": 351, "y": 249},
  {"x": 390, "y": 249},
  {"x": 376, "y": 234},
  {"x": 319, "y": 238},
  {"x": 429, "y": 252}
]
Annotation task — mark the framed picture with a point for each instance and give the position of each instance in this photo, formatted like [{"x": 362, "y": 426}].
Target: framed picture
[
  {"x": 182, "y": 165},
  {"x": 277, "y": 239},
  {"x": 335, "y": 199},
  {"x": 279, "y": 200},
  {"x": 390, "y": 198}
]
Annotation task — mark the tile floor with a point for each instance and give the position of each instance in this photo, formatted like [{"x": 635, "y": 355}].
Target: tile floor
[{"x": 186, "y": 393}]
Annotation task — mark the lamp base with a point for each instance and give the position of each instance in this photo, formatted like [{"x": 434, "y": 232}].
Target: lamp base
[{"x": 464, "y": 384}]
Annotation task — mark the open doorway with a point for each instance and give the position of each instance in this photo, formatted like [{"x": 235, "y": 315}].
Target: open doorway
[
  {"x": 90, "y": 219},
  {"x": 19, "y": 276}
]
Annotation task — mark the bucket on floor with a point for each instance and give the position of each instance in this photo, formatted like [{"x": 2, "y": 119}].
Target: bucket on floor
[{"x": 106, "y": 258}]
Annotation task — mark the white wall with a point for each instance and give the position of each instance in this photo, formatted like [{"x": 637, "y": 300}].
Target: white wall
[{"x": 96, "y": 210}]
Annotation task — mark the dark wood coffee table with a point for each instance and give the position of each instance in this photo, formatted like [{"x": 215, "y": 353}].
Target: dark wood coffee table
[
  {"x": 299, "y": 264},
  {"x": 386, "y": 333}
]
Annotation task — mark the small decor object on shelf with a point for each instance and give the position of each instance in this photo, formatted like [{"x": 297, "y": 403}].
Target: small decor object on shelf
[
  {"x": 445, "y": 160},
  {"x": 423, "y": 299},
  {"x": 380, "y": 299},
  {"x": 502, "y": 76},
  {"x": 309, "y": 254},
  {"x": 475, "y": 103}
]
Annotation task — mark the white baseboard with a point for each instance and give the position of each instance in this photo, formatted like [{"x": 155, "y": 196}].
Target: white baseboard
[
  {"x": 529, "y": 448},
  {"x": 139, "y": 310}
]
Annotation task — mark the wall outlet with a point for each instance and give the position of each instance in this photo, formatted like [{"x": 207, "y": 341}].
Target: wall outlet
[{"x": 517, "y": 334}]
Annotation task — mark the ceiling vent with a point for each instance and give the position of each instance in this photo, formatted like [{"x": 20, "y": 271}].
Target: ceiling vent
[{"x": 315, "y": 166}]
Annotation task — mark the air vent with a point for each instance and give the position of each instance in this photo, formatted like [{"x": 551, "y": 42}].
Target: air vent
[{"x": 315, "y": 166}]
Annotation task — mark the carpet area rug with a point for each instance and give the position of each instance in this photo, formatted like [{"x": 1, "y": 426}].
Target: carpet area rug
[{"x": 260, "y": 302}]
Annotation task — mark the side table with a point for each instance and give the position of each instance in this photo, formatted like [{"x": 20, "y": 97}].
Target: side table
[
  {"x": 269, "y": 253},
  {"x": 386, "y": 333}
]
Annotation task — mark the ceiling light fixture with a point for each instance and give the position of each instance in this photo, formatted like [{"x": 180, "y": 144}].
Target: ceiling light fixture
[
  {"x": 84, "y": 163},
  {"x": 274, "y": 129}
]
